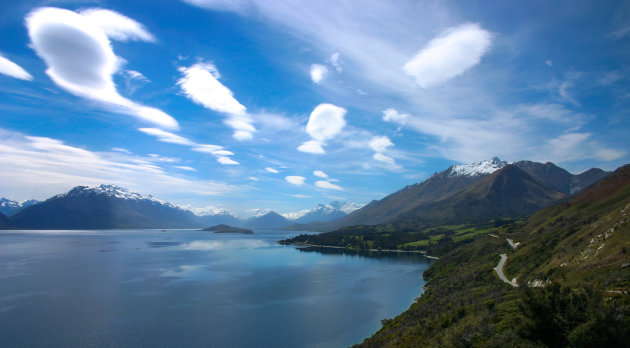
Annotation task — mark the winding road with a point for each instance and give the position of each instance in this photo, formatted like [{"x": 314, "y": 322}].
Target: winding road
[{"x": 499, "y": 270}]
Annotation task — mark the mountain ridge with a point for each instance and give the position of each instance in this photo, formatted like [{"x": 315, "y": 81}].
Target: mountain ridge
[{"x": 103, "y": 207}]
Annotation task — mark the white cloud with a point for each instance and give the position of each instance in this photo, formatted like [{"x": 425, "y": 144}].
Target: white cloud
[
  {"x": 312, "y": 146},
  {"x": 318, "y": 72},
  {"x": 207, "y": 148},
  {"x": 222, "y": 5},
  {"x": 549, "y": 62},
  {"x": 324, "y": 123},
  {"x": 380, "y": 143},
  {"x": 117, "y": 26},
  {"x": 620, "y": 33},
  {"x": 226, "y": 160},
  {"x": 320, "y": 174},
  {"x": 120, "y": 149},
  {"x": 215, "y": 150},
  {"x": 334, "y": 60},
  {"x": 9, "y": 68},
  {"x": 200, "y": 84},
  {"x": 272, "y": 170},
  {"x": 443, "y": 58},
  {"x": 42, "y": 167},
  {"x": 166, "y": 137},
  {"x": 383, "y": 158},
  {"x": 328, "y": 185},
  {"x": 223, "y": 153},
  {"x": 187, "y": 168},
  {"x": 80, "y": 60},
  {"x": 295, "y": 180},
  {"x": 136, "y": 75},
  {"x": 391, "y": 115},
  {"x": 253, "y": 178},
  {"x": 570, "y": 147},
  {"x": 301, "y": 196}
]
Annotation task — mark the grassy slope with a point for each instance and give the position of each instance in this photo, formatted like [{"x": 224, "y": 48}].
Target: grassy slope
[{"x": 583, "y": 242}]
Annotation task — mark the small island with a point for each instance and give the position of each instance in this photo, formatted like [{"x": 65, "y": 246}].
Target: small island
[{"x": 223, "y": 228}]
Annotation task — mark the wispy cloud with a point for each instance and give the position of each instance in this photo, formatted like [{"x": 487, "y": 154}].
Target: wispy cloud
[
  {"x": 201, "y": 84},
  {"x": 117, "y": 26},
  {"x": 215, "y": 150},
  {"x": 80, "y": 60},
  {"x": 325, "y": 184},
  {"x": 9, "y": 68},
  {"x": 166, "y": 137},
  {"x": 57, "y": 167},
  {"x": 272, "y": 170}
]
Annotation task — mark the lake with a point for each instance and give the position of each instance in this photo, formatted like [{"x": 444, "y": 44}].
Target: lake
[{"x": 194, "y": 288}]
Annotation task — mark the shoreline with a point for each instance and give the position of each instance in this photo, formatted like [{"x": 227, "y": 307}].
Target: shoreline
[{"x": 376, "y": 250}]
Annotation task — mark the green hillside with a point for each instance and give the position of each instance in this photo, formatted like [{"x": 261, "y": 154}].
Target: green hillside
[{"x": 572, "y": 267}]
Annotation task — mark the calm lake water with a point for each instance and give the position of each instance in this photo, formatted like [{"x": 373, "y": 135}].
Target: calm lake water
[{"x": 193, "y": 288}]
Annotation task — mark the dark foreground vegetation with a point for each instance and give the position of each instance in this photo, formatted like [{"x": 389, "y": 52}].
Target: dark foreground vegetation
[{"x": 406, "y": 236}]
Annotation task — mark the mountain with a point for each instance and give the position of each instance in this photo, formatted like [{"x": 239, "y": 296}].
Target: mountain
[
  {"x": 437, "y": 187},
  {"x": 453, "y": 181},
  {"x": 507, "y": 192},
  {"x": 103, "y": 207},
  {"x": 572, "y": 268},
  {"x": 321, "y": 213},
  {"x": 4, "y": 221},
  {"x": 221, "y": 217},
  {"x": 560, "y": 179},
  {"x": 271, "y": 220},
  {"x": 10, "y": 207}
]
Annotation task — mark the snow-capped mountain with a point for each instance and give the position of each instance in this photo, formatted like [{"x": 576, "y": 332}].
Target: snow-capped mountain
[
  {"x": 212, "y": 216},
  {"x": 115, "y": 192},
  {"x": 103, "y": 207},
  {"x": 478, "y": 168},
  {"x": 346, "y": 207},
  {"x": 323, "y": 212},
  {"x": 10, "y": 207}
]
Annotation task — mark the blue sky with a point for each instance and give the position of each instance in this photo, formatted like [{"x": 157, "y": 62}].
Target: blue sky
[{"x": 252, "y": 104}]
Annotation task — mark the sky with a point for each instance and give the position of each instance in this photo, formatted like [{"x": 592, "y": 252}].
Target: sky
[{"x": 282, "y": 105}]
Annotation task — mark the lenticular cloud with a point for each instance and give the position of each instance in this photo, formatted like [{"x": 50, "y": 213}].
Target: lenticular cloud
[
  {"x": 80, "y": 60},
  {"x": 449, "y": 55}
]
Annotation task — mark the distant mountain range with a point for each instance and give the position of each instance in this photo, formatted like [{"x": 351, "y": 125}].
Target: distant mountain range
[
  {"x": 481, "y": 190},
  {"x": 113, "y": 207},
  {"x": 452, "y": 189},
  {"x": 103, "y": 207},
  {"x": 10, "y": 207}
]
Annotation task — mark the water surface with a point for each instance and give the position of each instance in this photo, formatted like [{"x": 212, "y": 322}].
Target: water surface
[{"x": 193, "y": 288}]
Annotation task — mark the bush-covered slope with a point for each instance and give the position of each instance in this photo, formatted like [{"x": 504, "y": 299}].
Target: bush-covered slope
[{"x": 572, "y": 268}]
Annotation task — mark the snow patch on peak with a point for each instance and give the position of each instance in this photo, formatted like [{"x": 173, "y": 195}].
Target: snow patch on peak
[
  {"x": 207, "y": 211},
  {"x": 478, "y": 168},
  {"x": 325, "y": 209},
  {"x": 112, "y": 191},
  {"x": 346, "y": 207},
  {"x": 296, "y": 215},
  {"x": 260, "y": 212}
]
